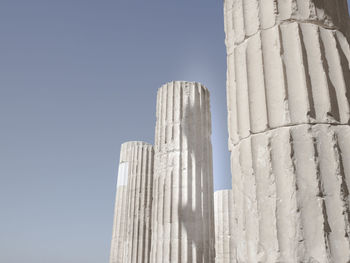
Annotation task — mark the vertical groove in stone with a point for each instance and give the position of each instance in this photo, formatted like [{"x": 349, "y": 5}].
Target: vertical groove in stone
[
  {"x": 296, "y": 79},
  {"x": 154, "y": 229},
  {"x": 287, "y": 217},
  {"x": 335, "y": 193},
  {"x": 232, "y": 100},
  {"x": 140, "y": 196},
  {"x": 147, "y": 212},
  {"x": 308, "y": 195},
  {"x": 224, "y": 220},
  {"x": 324, "y": 94},
  {"x": 121, "y": 207},
  {"x": 291, "y": 195},
  {"x": 337, "y": 72},
  {"x": 183, "y": 228},
  {"x": 274, "y": 74},
  {"x": 288, "y": 94},
  {"x": 343, "y": 137},
  {"x": 168, "y": 175},
  {"x": 243, "y": 109},
  {"x": 250, "y": 202},
  {"x": 131, "y": 199},
  {"x": 266, "y": 198},
  {"x": 256, "y": 87},
  {"x": 210, "y": 197},
  {"x": 132, "y": 223},
  {"x": 239, "y": 226},
  {"x": 244, "y": 18},
  {"x": 287, "y": 75}
]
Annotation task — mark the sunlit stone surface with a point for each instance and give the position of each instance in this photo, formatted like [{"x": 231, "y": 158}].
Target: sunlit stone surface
[
  {"x": 224, "y": 220},
  {"x": 288, "y": 90},
  {"x": 132, "y": 220},
  {"x": 183, "y": 212}
]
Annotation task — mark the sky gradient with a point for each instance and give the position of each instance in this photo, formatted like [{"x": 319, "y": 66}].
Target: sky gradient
[{"x": 77, "y": 79}]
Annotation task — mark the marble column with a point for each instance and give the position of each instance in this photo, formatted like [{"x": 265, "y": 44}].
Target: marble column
[
  {"x": 132, "y": 220},
  {"x": 288, "y": 91},
  {"x": 183, "y": 212},
  {"x": 224, "y": 220}
]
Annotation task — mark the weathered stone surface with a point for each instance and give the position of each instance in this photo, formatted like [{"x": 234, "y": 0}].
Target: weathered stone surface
[
  {"x": 224, "y": 227},
  {"x": 140, "y": 189},
  {"x": 291, "y": 195},
  {"x": 183, "y": 212},
  {"x": 287, "y": 75},
  {"x": 132, "y": 220},
  {"x": 244, "y": 18},
  {"x": 288, "y": 91}
]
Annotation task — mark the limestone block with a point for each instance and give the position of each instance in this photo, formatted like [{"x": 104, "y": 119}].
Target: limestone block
[
  {"x": 287, "y": 75},
  {"x": 244, "y": 18},
  {"x": 183, "y": 209},
  {"x": 225, "y": 249},
  {"x": 131, "y": 226}
]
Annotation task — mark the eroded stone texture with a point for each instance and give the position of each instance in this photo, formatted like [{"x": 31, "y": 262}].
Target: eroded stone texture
[
  {"x": 132, "y": 220},
  {"x": 287, "y": 75},
  {"x": 291, "y": 195},
  {"x": 244, "y": 18},
  {"x": 288, "y": 91},
  {"x": 183, "y": 212},
  {"x": 224, "y": 222},
  {"x": 140, "y": 189}
]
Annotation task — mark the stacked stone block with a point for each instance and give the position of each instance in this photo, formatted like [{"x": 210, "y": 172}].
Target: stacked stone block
[
  {"x": 132, "y": 220},
  {"x": 288, "y": 91},
  {"x": 183, "y": 212}
]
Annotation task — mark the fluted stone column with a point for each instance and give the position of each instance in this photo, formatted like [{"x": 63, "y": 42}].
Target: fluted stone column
[
  {"x": 183, "y": 212},
  {"x": 121, "y": 207},
  {"x": 132, "y": 220},
  {"x": 288, "y": 90},
  {"x": 224, "y": 220},
  {"x": 140, "y": 187}
]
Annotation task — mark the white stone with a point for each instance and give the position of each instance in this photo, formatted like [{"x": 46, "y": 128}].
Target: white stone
[
  {"x": 288, "y": 93},
  {"x": 183, "y": 209},
  {"x": 132, "y": 219},
  {"x": 123, "y": 174},
  {"x": 224, "y": 227}
]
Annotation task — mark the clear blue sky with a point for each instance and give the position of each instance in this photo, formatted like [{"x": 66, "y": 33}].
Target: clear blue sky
[{"x": 77, "y": 79}]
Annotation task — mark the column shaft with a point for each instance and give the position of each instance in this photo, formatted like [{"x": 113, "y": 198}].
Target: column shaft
[
  {"x": 183, "y": 223},
  {"x": 288, "y": 91},
  {"x": 224, "y": 220},
  {"x": 132, "y": 220}
]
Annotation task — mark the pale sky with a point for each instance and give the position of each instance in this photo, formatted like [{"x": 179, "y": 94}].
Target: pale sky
[{"x": 77, "y": 79}]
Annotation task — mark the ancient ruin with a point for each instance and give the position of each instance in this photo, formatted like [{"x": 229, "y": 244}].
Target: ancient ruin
[
  {"x": 183, "y": 212},
  {"x": 131, "y": 241},
  {"x": 288, "y": 90},
  {"x": 164, "y": 209},
  {"x": 288, "y": 96},
  {"x": 225, "y": 248}
]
